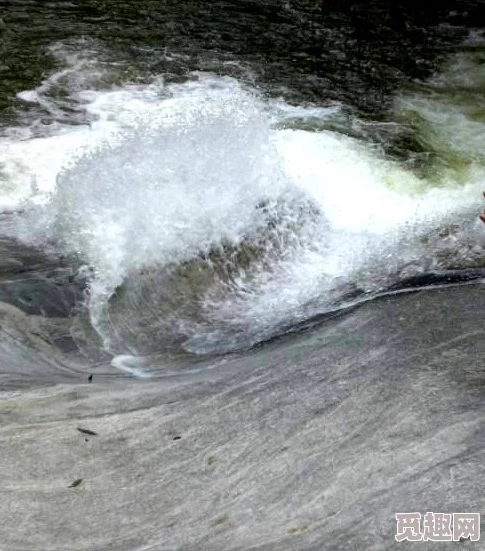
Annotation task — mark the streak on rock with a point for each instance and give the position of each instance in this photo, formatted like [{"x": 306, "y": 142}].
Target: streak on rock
[
  {"x": 87, "y": 431},
  {"x": 298, "y": 529},
  {"x": 220, "y": 521}
]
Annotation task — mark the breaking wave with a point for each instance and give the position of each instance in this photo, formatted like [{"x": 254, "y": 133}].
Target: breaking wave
[{"x": 209, "y": 220}]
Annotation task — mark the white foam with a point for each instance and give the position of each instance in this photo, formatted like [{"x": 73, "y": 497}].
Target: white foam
[
  {"x": 168, "y": 171},
  {"x": 130, "y": 365}
]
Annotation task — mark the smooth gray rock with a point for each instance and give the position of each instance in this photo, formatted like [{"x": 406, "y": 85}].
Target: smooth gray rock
[{"x": 311, "y": 442}]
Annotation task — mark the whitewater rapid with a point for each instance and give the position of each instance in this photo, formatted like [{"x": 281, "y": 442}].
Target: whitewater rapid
[{"x": 213, "y": 218}]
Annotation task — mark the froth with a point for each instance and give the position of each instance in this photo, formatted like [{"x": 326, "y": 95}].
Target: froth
[{"x": 210, "y": 229}]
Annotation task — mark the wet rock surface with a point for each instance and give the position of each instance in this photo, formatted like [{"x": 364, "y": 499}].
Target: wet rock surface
[
  {"x": 313, "y": 441},
  {"x": 37, "y": 284}
]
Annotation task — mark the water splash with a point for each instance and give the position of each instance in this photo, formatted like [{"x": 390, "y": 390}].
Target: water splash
[{"x": 211, "y": 224}]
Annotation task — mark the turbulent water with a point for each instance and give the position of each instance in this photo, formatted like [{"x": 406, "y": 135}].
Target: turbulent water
[
  {"x": 209, "y": 207},
  {"x": 212, "y": 216},
  {"x": 209, "y": 216}
]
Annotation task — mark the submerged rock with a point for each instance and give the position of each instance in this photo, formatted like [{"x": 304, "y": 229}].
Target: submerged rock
[{"x": 36, "y": 283}]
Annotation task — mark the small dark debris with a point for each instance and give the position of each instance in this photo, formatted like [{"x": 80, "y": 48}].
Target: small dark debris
[
  {"x": 75, "y": 483},
  {"x": 87, "y": 431},
  {"x": 177, "y": 438},
  {"x": 90, "y": 378}
]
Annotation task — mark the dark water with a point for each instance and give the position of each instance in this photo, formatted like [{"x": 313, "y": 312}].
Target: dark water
[{"x": 356, "y": 52}]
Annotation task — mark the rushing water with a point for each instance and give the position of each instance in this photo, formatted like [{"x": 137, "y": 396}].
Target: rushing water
[
  {"x": 217, "y": 185},
  {"x": 241, "y": 272}
]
